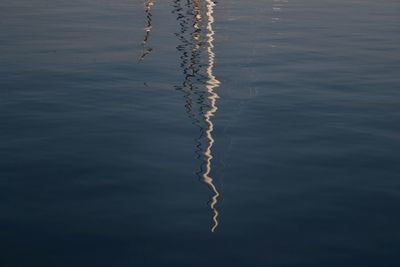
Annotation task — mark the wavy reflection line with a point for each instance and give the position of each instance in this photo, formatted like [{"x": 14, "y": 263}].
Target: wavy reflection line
[
  {"x": 190, "y": 59},
  {"x": 212, "y": 84},
  {"x": 200, "y": 104},
  {"x": 190, "y": 53},
  {"x": 148, "y": 5}
]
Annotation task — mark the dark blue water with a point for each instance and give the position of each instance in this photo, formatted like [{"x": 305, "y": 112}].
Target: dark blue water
[{"x": 194, "y": 133}]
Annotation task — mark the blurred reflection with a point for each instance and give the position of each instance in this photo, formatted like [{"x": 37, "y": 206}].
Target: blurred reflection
[
  {"x": 147, "y": 8},
  {"x": 199, "y": 83},
  {"x": 277, "y": 9}
]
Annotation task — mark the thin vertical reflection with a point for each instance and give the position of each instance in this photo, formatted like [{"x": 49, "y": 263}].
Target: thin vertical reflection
[
  {"x": 148, "y": 5},
  {"x": 199, "y": 84},
  {"x": 212, "y": 84}
]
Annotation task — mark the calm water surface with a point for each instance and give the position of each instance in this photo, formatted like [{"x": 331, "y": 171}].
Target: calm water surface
[{"x": 199, "y": 133}]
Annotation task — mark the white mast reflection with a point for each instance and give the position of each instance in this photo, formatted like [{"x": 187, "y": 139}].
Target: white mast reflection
[
  {"x": 212, "y": 84},
  {"x": 196, "y": 35}
]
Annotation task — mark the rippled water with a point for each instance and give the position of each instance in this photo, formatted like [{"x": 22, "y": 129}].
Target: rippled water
[{"x": 199, "y": 133}]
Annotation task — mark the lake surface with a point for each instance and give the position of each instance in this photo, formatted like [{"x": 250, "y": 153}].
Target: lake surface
[{"x": 199, "y": 133}]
